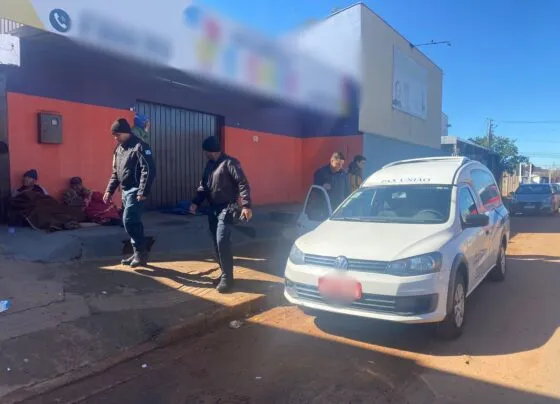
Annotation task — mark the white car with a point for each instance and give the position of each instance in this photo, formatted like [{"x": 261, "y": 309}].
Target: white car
[{"x": 409, "y": 246}]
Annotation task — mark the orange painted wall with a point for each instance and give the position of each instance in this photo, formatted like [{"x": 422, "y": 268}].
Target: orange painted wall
[
  {"x": 86, "y": 149},
  {"x": 280, "y": 168},
  {"x": 271, "y": 162}
]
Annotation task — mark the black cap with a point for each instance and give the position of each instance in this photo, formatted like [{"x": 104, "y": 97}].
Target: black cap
[
  {"x": 31, "y": 174},
  {"x": 121, "y": 125},
  {"x": 211, "y": 144},
  {"x": 75, "y": 181}
]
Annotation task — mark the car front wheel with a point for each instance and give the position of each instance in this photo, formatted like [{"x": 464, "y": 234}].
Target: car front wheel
[{"x": 452, "y": 326}]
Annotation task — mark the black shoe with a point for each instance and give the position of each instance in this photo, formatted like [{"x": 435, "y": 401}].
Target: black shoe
[
  {"x": 139, "y": 260},
  {"x": 224, "y": 285},
  {"x": 127, "y": 261}
]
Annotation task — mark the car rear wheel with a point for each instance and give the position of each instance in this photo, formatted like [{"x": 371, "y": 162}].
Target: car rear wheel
[
  {"x": 498, "y": 274},
  {"x": 452, "y": 326}
]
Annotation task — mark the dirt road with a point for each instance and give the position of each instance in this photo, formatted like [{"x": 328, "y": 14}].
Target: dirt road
[{"x": 509, "y": 352}]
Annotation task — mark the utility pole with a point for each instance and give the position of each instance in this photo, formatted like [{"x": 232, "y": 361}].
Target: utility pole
[{"x": 490, "y": 132}]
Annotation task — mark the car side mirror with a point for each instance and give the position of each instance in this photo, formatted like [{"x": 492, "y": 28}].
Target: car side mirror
[{"x": 477, "y": 220}]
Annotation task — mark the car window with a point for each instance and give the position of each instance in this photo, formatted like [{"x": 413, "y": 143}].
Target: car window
[
  {"x": 397, "y": 204},
  {"x": 486, "y": 187},
  {"x": 534, "y": 189},
  {"x": 317, "y": 208},
  {"x": 467, "y": 205}
]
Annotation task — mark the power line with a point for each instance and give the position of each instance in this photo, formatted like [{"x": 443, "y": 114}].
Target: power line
[{"x": 530, "y": 122}]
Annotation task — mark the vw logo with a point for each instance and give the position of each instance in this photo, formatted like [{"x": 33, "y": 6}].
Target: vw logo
[{"x": 341, "y": 263}]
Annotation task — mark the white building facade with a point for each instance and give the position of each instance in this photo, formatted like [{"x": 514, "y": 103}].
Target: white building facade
[{"x": 400, "y": 88}]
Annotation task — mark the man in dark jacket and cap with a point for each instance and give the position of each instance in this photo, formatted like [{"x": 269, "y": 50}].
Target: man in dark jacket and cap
[
  {"x": 134, "y": 170},
  {"x": 225, "y": 187}
]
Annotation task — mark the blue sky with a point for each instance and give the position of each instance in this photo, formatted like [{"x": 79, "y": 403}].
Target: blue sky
[{"x": 504, "y": 62}]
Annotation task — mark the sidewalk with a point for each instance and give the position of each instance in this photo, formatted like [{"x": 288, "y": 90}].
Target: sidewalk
[
  {"x": 69, "y": 319},
  {"x": 173, "y": 234}
]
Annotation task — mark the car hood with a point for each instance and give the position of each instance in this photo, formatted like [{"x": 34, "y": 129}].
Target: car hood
[
  {"x": 374, "y": 241},
  {"x": 531, "y": 197}
]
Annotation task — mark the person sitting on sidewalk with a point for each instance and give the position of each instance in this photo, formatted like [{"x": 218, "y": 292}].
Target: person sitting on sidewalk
[
  {"x": 91, "y": 203},
  {"x": 29, "y": 183}
]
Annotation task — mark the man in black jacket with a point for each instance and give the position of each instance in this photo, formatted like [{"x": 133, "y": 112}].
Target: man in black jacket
[
  {"x": 334, "y": 179},
  {"x": 134, "y": 170},
  {"x": 225, "y": 186}
]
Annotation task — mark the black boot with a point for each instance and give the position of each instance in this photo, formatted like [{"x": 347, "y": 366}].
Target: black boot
[
  {"x": 224, "y": 285},
  {"x": 128, "y": 261},
  {"x": 139, "y": 260}
]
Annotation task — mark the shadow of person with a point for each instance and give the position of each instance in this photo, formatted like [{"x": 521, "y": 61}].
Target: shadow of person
[{"x": 199, "y": 279}]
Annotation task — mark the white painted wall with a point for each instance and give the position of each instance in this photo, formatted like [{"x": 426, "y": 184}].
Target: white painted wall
[
  {"x": 377, "y": 115},
  {"x": 334, "y": 41}
]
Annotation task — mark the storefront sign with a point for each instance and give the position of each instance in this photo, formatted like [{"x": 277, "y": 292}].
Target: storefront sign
[
  {"x": 410, "y": 86},
  {"x": 189, "y": 38}
]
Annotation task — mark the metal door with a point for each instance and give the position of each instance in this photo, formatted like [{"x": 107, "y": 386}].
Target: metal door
[{"x": 176, "y": 137}]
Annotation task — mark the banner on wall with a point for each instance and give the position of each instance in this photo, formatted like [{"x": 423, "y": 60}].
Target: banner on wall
[
  {"x": 187, "y": 37},
  {"x": 410, "y": 86}
]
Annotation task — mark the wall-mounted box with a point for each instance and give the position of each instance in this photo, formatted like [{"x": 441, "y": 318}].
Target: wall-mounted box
[{"x": 50, "y": 128}]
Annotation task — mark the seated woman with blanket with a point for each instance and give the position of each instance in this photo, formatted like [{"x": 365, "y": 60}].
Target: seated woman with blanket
[{"x": 91, "y": 203}]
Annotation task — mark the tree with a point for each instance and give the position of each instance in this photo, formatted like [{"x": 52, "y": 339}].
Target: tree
[{"x": 506, "y": 149}]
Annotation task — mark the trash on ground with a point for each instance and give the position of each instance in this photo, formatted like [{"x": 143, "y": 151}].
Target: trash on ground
[
  {"x": 258, "y": 377},
  {"x": 4, "y": 305},
  {"x": 26, "y": 360},
  {"x": 235, "y": 324},
  {"x": 8, "y": 369},
  {"x": 103, "y": 292},
  {"x": 144, "y": 366}
]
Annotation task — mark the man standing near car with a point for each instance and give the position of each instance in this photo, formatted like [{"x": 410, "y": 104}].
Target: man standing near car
[
  {"x": 225, "y": 187},
  {"x": 134, "y": 170},
  {"x": 334, "y": 179}
]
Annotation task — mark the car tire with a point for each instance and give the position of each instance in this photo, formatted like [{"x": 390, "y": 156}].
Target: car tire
[
  {"x": 452, "y": 326},
  {"x": 498, "y": 273}
]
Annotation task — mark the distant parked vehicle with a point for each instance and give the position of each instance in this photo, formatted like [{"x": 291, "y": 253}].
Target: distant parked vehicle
[{"x": 536, "y": 199}]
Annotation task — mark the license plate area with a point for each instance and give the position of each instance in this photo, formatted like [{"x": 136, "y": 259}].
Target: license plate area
[
  {"x": 530, "y": 206},
  {"x": 341, "y": 289}
]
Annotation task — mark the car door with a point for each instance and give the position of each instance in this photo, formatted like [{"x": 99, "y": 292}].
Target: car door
[
  {"x": 492, "y": 206},
  {"x": 473, "y": 240},
  {"x": 316, "y": 209}
]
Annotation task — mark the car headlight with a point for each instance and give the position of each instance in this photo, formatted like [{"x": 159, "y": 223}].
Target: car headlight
[
  {"x": 296, "y": 256},
  {"x": 419, "y": 265}
]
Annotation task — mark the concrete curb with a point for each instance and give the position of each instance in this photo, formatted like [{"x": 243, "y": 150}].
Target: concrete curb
[{"x": 198, "y": 325}]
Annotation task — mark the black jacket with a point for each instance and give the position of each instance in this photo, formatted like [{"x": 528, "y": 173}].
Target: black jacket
[
  {"x": 133, "y": 167},
  {"x": 223, "y": 183},
  {"x": 339, "y": 182}
]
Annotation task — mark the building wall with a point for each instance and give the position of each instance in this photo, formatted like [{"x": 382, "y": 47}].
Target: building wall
[
  {"x": 381, "y": 150},
  {"x": 376, "y": 111},
  {"x": 91, "y": 90},
  {"x": 86, "y": 150},
  {"x": 335, "y": 41}
]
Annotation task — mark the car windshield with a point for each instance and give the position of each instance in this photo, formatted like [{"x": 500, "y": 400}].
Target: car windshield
[
  {"x": 534, "y": 189},
  {"x": 397, "y": 204}
]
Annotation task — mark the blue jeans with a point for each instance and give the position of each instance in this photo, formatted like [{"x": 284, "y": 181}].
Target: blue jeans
[
  {"x": 220, "y": 222},
  {"x": 132, "y": 219}
]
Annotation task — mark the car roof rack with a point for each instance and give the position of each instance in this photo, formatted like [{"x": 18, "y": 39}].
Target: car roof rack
[{"x": 459, "y": 159}]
